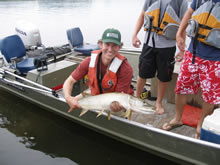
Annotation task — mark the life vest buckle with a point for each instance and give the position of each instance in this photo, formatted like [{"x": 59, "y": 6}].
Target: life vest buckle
[
  {"x": 192, "y": 28},
  {"x": 147, "y": 22}
]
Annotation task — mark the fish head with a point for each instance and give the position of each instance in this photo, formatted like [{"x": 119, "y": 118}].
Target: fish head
[
  {"x": 133, "y": 101},
  {"x": 146, "y": 109},
  {"x": 140, "y": 106}
]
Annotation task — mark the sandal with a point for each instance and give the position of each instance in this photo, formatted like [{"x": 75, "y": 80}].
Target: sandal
[{"x": 169, "y": 126}]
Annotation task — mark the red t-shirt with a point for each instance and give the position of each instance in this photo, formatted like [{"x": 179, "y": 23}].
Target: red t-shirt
[{"x": 124, "y": 74}]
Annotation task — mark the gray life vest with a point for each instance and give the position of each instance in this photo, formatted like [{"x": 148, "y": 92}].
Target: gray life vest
[{"x": 166, "y": 23}]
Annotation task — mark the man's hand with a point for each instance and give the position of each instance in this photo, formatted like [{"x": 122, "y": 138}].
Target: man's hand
[
  {"x": 180, "y": 43},
  {"x": 73, "y": 103},
  {"x": 136, "y": 42},
  {"x": 179, "y": 56},
  {"x": 116, "y": 106}
]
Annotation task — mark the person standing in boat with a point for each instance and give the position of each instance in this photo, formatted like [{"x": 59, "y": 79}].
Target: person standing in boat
[
  {"x": 161, "y": 19},
  {"x": 107, "y": 71},
  {"x": 201, "y": 65}
]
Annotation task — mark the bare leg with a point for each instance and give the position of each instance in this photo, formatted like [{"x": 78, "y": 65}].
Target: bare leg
[
  {"x": 207, "y": 109},
  {"x": 180, "y": 102},
  {"x": 140, "y": 86},
  {"x": 161, "y": 89}
]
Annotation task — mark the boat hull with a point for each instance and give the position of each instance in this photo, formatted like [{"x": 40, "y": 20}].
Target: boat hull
[{"x": 165, "y": 144}]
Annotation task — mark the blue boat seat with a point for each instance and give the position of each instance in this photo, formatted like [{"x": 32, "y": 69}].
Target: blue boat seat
[
  {"x": 75, "y": 39},
  {"x": 12, "y": 48}
]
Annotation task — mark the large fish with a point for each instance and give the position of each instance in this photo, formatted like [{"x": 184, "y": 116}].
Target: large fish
[{"x": 102, "y": 104}]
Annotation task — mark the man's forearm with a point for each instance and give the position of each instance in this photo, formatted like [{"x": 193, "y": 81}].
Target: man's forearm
[
  {"x": 68, "y": 86},
  {"x": 184, "y": 23},
  {"x": 139, "y": 23}
]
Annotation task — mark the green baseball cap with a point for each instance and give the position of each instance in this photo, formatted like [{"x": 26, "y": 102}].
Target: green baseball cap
[{"x": 111, "y": 35}]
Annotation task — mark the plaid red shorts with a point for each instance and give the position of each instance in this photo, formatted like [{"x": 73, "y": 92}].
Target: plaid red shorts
[{"x": 202, "y": 74}]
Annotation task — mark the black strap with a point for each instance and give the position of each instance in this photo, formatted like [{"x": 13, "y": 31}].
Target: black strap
[
  {"x": 99, "y": 74},
  {"x": 150, "y": 29},
  {"x": 194, "y": 50},
  {"x": 195, "y": 44},
  {"x": 153, "y": 40},
  {"x": 205, "y": 27},
  {"x": 201, "y": 36},
  {"x": 157, "y": 29},
  {"x": 165, "y": 23}
]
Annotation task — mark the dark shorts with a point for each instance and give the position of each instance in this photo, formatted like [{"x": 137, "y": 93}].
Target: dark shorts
[{"x": 156, "y": 60}]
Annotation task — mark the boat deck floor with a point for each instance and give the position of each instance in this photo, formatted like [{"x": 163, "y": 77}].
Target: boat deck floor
[{"x": 156, "y": 120}]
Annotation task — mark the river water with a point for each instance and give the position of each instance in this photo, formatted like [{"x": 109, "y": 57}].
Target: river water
[
  {"x": 54, "y": 17},
  {"x": 31, "y": 135}
]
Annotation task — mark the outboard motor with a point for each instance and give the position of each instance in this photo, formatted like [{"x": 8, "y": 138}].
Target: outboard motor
[{"x": 29, "y": 34}]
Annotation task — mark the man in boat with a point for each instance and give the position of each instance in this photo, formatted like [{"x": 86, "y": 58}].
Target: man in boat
[
  {"x": 201, "y": 65},
  {"x": 161, "y": 19},
  {"x": 107, "y": 71}
]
